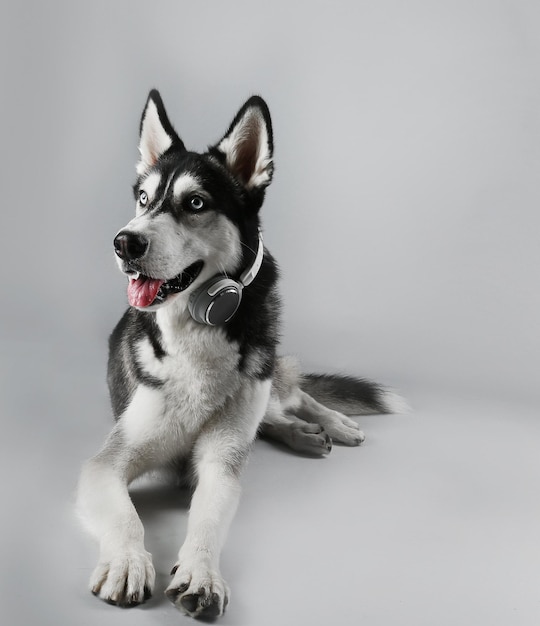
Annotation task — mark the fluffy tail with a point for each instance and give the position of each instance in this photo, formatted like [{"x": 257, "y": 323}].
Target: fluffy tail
[{"x": 352, "y": 396}]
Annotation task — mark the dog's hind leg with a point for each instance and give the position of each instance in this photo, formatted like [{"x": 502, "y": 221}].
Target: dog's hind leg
[
  {"x": 295, "y": 433},
  {"x": 124, "y": 575},
  {"x": 340, "y": 427}
]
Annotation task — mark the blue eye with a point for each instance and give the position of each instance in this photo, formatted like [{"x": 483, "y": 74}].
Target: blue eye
[
  {"x": 196, "y": 203},
  {"x": 143, "y": 198}
]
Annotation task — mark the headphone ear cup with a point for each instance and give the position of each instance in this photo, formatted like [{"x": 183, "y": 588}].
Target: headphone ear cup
[{"x": 216, "y": 301}]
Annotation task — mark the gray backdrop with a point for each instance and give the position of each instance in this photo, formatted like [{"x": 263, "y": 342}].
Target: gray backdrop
[
  {"x": 403, "y": 212},
  {"x": 404, "y": 206}
]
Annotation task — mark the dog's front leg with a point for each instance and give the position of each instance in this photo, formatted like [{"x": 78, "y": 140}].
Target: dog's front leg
[
  {"x": 124, "y": 575},
  {"x": 198, "y": 588}
]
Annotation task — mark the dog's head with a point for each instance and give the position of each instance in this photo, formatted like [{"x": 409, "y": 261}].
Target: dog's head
[{"x": 196, "y": 214}]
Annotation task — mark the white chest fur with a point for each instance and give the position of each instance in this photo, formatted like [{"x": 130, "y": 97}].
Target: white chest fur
[{"x": 198, "y": 375}]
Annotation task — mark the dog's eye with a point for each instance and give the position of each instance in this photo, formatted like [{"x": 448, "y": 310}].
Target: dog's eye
[
  {"x": 196, "y": 203},
  {"x": 143, "y": 198}
]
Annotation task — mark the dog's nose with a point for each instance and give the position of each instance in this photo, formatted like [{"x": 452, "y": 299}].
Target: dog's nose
[{"x": 130, "y": 246}]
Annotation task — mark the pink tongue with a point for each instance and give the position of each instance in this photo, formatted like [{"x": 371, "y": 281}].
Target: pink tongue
[{"x": 142, "y": 292}]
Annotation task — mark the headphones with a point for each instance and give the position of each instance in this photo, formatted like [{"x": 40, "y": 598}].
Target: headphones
[{"x": 217, "y": 300}]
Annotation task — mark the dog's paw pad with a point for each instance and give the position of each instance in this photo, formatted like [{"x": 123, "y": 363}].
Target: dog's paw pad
[
  {"x": 173, "y": 593},
  {"x": 205, "y": 599},
  {"x": 190, "y": 602}
]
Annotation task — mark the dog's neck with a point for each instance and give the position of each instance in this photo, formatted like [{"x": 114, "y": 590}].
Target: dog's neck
[{"x": 174, "y": 319}]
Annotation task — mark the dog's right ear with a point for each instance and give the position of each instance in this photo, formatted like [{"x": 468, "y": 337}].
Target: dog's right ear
[{"x": 156, "y": 133}]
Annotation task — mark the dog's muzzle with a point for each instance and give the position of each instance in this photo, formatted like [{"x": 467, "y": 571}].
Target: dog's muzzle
[
  {"x": 144, "y": 291},
  {"x": 130, "y": 246}
]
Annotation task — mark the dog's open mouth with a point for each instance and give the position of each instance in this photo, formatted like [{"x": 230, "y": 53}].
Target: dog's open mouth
[{"x": 143, "y": 291}]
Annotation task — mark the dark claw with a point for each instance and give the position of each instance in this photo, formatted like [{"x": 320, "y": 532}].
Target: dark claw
[{"x": 131, "y": 602}]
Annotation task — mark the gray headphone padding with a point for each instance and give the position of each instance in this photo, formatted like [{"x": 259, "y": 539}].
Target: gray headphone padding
[
  {"x": 204, "y": 304},
  {"x": 201, "y": 301}
]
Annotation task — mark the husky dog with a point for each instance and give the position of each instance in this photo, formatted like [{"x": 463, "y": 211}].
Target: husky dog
[{"x": 193, "y": 374}]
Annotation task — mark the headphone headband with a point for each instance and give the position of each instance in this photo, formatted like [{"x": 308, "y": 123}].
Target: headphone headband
[{"x": 249, "y": 275}]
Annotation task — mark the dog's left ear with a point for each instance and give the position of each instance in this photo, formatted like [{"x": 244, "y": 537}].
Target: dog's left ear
[
  {"x": 156, "y": 133},
  {"x": 247, "y": 147}
]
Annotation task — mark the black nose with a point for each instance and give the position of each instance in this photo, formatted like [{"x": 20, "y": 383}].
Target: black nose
[{"x": 130, "y": 246}]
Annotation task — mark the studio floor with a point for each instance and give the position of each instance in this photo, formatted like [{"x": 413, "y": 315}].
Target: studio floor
[{"x": 434, "y": 520}]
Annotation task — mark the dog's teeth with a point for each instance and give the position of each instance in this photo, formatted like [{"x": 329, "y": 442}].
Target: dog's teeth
[{"x": 134, "y": 276}]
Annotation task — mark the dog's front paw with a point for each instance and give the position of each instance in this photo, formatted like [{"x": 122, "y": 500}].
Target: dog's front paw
[
  {"x": 198, "y": 592},
  {"x": 125, "y": 580}
]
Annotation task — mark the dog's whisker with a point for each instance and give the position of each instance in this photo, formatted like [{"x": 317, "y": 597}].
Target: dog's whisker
[
  {"x": 248, "y": 247},
  {"x": 223, "y": 270}
]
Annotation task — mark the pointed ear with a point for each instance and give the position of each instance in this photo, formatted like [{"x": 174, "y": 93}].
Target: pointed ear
[
  {"x": 156, "y": 133},
  {"x": 247, "y": 146}
]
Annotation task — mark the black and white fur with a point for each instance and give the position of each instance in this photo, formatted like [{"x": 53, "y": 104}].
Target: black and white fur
[{"x": 192, "y": 397}]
